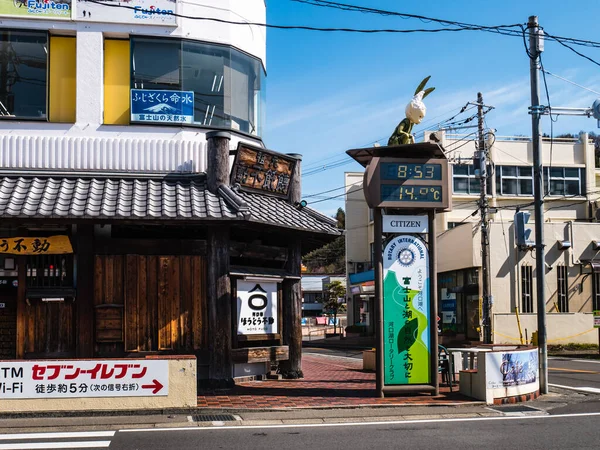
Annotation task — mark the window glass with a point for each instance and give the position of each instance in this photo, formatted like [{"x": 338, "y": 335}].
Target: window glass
[
  {"x": 23, "y": 74},
  {"x": 509, "y": 187},
  {"x": 526, "y": 187},
  {"x": 556, "y": 172},
  {"x": 572, "y": 172},
  {"x": 155, "y": 64},
  {"x": 572, "y": 187},
  {"x": 509, "y": 171},
  {"x": 460, "y": 169},
  {"x": 461, "y": 185},
  {"x": 525, "y": 172},
  {"x": 228, "y": 85}
]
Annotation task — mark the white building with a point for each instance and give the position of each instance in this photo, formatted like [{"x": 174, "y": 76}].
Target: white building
[{"x": 570, "y": 234}]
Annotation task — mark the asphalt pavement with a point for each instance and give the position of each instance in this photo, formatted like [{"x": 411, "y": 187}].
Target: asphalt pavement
[{"x": 572, "y": 373}]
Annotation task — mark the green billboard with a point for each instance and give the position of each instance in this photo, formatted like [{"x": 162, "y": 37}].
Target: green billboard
[{"x": 406, "y": 312}]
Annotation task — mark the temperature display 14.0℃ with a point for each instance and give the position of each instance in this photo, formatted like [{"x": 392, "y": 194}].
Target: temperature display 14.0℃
[
  {"x": 410, "y": 171},
  {"x": 390, "y": 192}
]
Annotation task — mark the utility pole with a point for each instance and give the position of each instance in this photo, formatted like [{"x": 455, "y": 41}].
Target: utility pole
[
  {"x": 482, "y": 157},
  {"x": 536, "y": 47}
]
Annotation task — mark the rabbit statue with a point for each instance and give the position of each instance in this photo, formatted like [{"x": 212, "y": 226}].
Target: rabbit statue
[{"x": 415, "y": 111}]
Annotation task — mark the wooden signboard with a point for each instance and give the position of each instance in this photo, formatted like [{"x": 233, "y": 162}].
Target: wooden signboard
[
  {"x": 256, "y": 169},
  {"x": 53, "y": 245}
]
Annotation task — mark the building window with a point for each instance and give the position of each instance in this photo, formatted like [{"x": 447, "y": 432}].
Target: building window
[
  {"x": 464, "y": 179},
  {"x": 562, "y": 289},
  {"x": 50, "y": 271},
  {"x": 23, "y": 74},
  {"x": 228, "y": 85},
  {"x": 564, "y": 181},
  {"x": 514, "y": 180},
  {"x": 596, "y": 294},
  {"x": 526, "y": 288}
]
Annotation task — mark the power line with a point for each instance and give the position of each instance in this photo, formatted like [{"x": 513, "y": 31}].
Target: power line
[{"x": 569, "y": 81}]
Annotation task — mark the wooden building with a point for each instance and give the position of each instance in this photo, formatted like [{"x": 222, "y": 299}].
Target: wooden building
[{"x": 121, "y": 265}]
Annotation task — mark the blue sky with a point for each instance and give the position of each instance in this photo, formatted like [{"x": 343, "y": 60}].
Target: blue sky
[{"x": 329, "y": 92}]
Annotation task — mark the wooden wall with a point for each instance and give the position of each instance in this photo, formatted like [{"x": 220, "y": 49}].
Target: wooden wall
[
  {"x": 49, "y": 329},
  {"x": 149, "y": 303}
]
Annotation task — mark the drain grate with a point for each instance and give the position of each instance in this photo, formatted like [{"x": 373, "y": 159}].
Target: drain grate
[
  {"x": 213, "y": 418},
  {"x": 514, "y": 409}
]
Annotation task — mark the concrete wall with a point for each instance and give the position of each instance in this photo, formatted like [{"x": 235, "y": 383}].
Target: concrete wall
[
  {"x": 182, "y": 394},
  {"x": 358, "y": 233}
]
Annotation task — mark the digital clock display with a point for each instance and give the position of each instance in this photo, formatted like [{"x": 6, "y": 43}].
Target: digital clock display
[
  {"x": 410, "y": 171},
  {"x": 395, "y": 193}
]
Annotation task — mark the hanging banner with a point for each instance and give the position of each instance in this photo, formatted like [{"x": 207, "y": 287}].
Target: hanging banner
[
  {"x": 406, "y": 316},
  {"x": 53, "y": 245},
  {"x": 256, "y": 307},
  {"x": 37, "y": 9}
]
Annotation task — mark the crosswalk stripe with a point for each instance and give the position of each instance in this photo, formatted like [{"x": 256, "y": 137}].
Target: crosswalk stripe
[
  {"x": 50, "y": 445},
  {"x": 57, "y": 435}
]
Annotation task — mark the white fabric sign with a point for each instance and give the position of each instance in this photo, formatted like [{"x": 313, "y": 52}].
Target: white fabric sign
[{"x": 257, "y": 307}]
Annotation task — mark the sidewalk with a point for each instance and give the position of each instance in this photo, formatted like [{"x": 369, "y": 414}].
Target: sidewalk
[{"x": 329, "y": 382}]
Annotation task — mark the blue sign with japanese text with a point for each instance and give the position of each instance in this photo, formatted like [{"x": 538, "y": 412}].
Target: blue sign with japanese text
[{"x": 162, "y": 106}]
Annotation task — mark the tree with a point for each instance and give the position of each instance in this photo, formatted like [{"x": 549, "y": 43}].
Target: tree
[
  {"x": 336, "y": 294},
  {"x": 330, "y": 258}
]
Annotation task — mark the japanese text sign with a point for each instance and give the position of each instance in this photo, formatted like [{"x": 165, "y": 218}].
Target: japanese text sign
[
  {"x": 150, "y": 12},
  {"x": 53, "y": 245},
  {"x": 406, "y": 314},
  {"x": 256, "y": 307},
  {"x": 596, "y": 319},
  {"x": 162, "y": 106},
  {"x": 260, "y": 170},
  {"x": 89, "y": 378}
]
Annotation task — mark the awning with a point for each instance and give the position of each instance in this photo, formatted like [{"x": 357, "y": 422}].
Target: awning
[{"x": 260, "y": 272}]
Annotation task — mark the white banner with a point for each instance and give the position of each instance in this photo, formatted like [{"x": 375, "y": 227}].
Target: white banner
[
  {"x": 87, "y": 378},
  {"x": 405, "y": 224},
  {"x": 516, "y": 368},
  {"x": 256, "y": 307},
  {"x": 151, "y": 12}
]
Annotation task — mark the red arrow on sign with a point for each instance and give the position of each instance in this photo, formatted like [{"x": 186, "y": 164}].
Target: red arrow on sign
[{"x": 155, "y": 385}]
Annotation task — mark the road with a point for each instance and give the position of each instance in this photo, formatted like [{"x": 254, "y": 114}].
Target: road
[
  {"x": 526, "y": 431},
  {"x": 583, "y": 375}
]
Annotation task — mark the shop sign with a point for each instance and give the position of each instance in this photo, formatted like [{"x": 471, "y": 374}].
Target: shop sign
[
  {"x": 53, "y": 245},
  {"x": 162, "y": 106},
  {"x": 511, "y": 369},
  {"x": 151, "y": 12},
  {"x": 596, "y": 319},
  {"x": 405, "y": 224},
  {"x": 259, "y": 170},
  {"x": 37, "y": 9},
  {"x": 406, "y": 312},
  {"x": 256, "y": 307},
  {"x": 90, "y": 378}
]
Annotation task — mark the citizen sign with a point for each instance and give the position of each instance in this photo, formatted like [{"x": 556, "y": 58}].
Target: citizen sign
[{"x": 405, "y": 224}]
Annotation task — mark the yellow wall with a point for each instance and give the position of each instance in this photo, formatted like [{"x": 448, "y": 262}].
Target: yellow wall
[
  {"x": 62, "y": 79},
  {"x": 116, "y": 82}
]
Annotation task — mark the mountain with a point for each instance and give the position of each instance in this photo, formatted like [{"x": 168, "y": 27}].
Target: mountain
[{"x": 161, "y": 108}]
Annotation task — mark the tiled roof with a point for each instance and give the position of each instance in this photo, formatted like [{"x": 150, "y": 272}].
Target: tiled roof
[
  {"x": 137, "y": 198},
  {"x": 273, "y": 210},
  {"x": 117, "y": 198}
]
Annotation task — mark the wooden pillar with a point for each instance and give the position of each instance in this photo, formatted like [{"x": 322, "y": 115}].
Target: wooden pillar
[
  {"x": 292, "y": 291},
  {"x": 218, "y": 282},
  {"x": 84, "y": 302},
  {"x": 21, "y": 305}
]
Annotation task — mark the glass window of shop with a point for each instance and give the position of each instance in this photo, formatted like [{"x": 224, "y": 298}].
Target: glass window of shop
[
  {"x": 228, "y": 85},
  {"x": 23, "y": 74}
]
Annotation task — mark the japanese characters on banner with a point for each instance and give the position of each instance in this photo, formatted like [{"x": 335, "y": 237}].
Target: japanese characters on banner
[
  {"x": 260, "y": 170},
  {"x": 91, "y": 378},
  {"x": 53, "y": 245},
  {"x": 257, "y": 307},
  {"x": 152, "y": 12},
  {"x": 162, "y": 106},
  {"x": 511, "y": 369},
  {"x": 406, "y": 316},
  {"x": 38, "y": 9}
]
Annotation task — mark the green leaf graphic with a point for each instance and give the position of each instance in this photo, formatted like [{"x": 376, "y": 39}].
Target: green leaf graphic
[{"x": 407, "y": 335}]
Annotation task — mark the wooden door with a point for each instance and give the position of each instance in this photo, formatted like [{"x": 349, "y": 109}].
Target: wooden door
[
  {"x": 149, "y": 303},
  {"x": 49, "y": 329}
]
